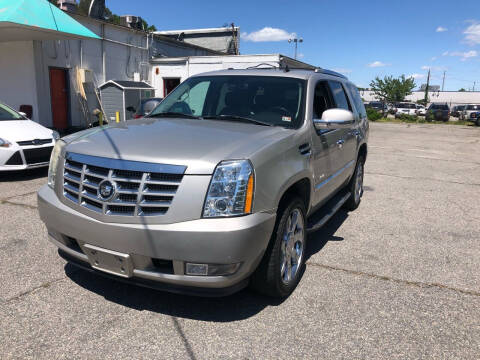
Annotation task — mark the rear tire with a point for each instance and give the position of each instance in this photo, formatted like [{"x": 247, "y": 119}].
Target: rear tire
[
  {"x": 355, "y": 186},
  {"x": 282, "y": 265}
]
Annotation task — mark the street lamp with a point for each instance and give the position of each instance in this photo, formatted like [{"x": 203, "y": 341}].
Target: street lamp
[{"x": 296, "y": 41}]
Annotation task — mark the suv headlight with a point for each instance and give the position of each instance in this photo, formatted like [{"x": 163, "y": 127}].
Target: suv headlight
[
  {"x": 5, "y": 143},
  {"x": 52, "y": 169},
  {"x": 231, "y": 190}
]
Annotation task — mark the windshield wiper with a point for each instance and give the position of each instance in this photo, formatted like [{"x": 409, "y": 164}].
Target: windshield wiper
[
  {"x": 237, "y": 118},
  {"x": 173, "y": 114}
]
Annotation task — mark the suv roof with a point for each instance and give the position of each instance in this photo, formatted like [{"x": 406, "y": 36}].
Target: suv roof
[{"x": 293, "y": 73}]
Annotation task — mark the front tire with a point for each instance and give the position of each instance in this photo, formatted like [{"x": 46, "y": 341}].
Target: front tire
[
  {"x": 280, "y": 269},
  {"x": 355, "y": 186}
]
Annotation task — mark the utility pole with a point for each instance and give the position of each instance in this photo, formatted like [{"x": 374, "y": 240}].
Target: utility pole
[
  {"x": 425, "y": 99},
  {"x": 443, "y": 81},
  {"x": 296, "y": 41}
]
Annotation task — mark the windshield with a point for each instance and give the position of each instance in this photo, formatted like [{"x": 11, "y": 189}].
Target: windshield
[
  {"x": 376, "y": 104},
  {"x": 265, "y": 99},
  {"x": 9, "y": 114},
  {"x": 473, "y": 107},
  {"x": 406, "y": 106}
]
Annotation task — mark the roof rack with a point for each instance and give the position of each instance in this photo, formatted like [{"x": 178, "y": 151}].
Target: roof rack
[{"x": 330, "y": 72}]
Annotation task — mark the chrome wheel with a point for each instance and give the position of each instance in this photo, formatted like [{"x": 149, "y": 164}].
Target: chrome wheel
[
  {"x": 292, "y": 246},
  {"x": 358, "y": 192}
]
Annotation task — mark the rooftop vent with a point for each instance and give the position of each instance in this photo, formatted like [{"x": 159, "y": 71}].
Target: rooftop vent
[
  {"x": 131, "y": 21},
  {"x": 67, "y": 5}
]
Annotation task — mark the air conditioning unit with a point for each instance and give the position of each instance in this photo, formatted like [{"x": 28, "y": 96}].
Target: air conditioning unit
[{"x": 132, "y": 21}]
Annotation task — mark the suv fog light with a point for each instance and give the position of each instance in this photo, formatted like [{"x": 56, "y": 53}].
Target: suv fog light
[{"x": 211, "y": 269}]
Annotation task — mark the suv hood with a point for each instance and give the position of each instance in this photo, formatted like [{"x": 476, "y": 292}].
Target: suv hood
[{"x": 198, "y": 144}]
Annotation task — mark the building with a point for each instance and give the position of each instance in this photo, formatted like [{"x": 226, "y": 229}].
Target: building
[
  {"x": 168, "y": 72},
  {"x": 58, "y": 77},
  {"x": 452, "y": 98},
  {"x": 224, "y": 39}
]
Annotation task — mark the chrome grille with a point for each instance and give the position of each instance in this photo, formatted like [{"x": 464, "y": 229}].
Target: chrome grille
[{"x": 143, "y": 189}]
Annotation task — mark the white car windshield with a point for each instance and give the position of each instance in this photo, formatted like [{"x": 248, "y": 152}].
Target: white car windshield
[{"x": 9, "y": 114}]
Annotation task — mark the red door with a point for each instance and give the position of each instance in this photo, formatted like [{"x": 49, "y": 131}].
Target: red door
[{"x": 58, "y": 94}]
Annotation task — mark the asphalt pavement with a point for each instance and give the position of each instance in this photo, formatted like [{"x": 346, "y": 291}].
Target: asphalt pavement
[{"x": 399, "y": 278}]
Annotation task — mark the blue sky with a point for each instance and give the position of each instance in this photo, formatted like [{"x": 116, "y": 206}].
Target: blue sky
[{"x": 362, "y": 39}]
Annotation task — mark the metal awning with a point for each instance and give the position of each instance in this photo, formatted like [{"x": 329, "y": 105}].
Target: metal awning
[{"x": 22, "y": 20}]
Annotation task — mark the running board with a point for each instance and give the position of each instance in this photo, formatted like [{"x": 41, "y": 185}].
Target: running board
[{"x": 327, "y": 211}]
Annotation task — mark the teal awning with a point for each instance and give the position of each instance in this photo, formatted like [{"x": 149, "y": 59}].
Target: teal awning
[{"x": 38, "y": 20}]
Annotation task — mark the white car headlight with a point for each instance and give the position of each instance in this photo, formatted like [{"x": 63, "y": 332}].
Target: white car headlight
[
  {"x": 55, "y": 135},
  {"x": 231, "y": 190},
  {"x": 52, "y": 169},
  {"x": 5, "y": 143}
]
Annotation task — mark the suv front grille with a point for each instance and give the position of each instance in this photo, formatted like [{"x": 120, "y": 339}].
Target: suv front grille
[{"x": 142, "y": 189}]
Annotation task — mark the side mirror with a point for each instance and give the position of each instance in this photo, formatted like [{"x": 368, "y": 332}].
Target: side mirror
[
  {"x": 334, "y": 119},
  {"x": 23, "y": 114},
  {"x": 131, "y": 109}
]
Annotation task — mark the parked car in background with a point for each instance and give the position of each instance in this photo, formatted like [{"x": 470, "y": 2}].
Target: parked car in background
[
  {"x": 24, "y": 144},
  {"x": 146, "y": 106},
  {"x": 421, "y": 110},
  {"x": 469, "y": 110},
  {"x": 405, "y": 108},
  {"x": 377, "y": 105},
  {"x": 217, "y": 187},
  {"x": 438, "y": 112},
  {"x": 457, "y": 110}
]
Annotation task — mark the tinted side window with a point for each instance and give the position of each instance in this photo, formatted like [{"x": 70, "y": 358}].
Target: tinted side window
[
  {"x": 322, "y": 100},
  {"x": 357, "y": 100},
  {"x": 339, "y": 95}
]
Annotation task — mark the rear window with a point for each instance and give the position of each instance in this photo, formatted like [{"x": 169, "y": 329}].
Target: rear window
[
  {"x": 439, "y": 107},
  {"x": 406, "y": 106}
]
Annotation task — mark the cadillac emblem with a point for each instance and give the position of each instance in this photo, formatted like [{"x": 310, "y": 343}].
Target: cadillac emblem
[{"x": 106, "y": 190}]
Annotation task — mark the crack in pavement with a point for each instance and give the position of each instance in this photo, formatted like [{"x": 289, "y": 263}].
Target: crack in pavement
[
  {"x": 421, "y": 178},
  {"x": 44, "y": 285},
  {"x": 6, "y": 202},
  {"x": 186, "y": 343},
  {"x": 417, "y": 284},
  {"x": 14, "y": 196}
]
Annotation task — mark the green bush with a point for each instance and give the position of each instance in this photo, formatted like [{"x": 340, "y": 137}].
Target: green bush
[
  {"x": 373, "y": 114},
  {"x": 408, "y": 118}
]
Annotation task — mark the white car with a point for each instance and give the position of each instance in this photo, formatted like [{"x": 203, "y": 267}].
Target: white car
[
  {"x": 421, "y": 110},
  {"x": 405, "y": 109},
  {"x": 24, "y": 144},
  {"x": 469, "y": 109}
]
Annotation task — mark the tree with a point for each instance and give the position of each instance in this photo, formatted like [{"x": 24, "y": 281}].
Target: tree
[
  {"x": 462, "y": 90},
  {"x": 390, "y": 89}
]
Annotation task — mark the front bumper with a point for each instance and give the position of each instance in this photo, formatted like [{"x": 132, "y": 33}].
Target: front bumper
[
  {"x": 15, "y": 157},
  {"x": 210, "y": 241}
]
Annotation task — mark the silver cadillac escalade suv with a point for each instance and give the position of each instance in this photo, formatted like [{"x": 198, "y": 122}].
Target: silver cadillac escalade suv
[{"x": 216, "y": 188}]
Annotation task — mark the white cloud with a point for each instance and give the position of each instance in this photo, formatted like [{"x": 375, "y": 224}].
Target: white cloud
[
  {"x": 377, "y": 64},
  {"x": 342, "y": 70},
  {"x": 463, "y": 55},
  {"x": 472, "y": 34},
  {"x": 434, "y": 58},
  {"x": 441, "y": 29},
  {"x": 416, "y": 76},
  {"x": 268, "y": 34},
  {"x": 434, "y": 68}
]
